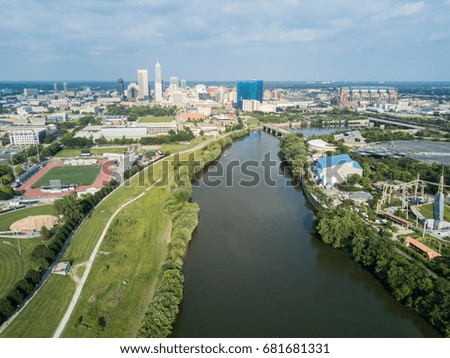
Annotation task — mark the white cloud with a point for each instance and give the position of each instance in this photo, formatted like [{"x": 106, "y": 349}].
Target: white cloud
[{"x": 411, "y": 8}]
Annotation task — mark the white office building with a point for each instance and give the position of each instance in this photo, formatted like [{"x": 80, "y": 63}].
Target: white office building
[
  {"x": 23, "y": 137},
  {"x": 158, "y": 83},
  {"x": 143, "y": 83}
]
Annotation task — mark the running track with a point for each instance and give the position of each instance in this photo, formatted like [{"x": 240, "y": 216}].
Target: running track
[{"x": 103, "y": 178}]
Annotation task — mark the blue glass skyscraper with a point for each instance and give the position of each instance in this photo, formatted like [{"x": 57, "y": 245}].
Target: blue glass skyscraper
[{"x": 249, "y": 90}]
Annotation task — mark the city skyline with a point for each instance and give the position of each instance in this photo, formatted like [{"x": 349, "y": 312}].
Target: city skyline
[{"x": 200, "y": 40}]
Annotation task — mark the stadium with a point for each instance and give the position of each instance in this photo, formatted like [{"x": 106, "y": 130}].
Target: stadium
[{"x": 63, "y": 177}]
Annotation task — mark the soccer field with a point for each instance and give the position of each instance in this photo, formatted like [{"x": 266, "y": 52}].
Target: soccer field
[{"x": 79, "y": 175}]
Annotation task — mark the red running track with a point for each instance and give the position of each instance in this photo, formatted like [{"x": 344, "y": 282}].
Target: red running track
[{"x": 103, "y": 178}]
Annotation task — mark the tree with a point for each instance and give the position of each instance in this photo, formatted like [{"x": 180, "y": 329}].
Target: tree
[
  {"x": 18, "y": 170},
  {"x": 69, "y": 207},
  {"x": 6, "y": 192},
  {"x": 45, "y": 233},
  {"x": 5, "y": 309}
]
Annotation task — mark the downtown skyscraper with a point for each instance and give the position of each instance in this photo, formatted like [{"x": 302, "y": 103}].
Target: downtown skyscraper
[
  {"x": 158, "y": 83},
  {"x": 143, "y": 83},
  {"x": 249, "y": 90}
]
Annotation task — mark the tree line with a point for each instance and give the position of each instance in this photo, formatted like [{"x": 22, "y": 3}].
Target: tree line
[{"x": 135, "y": 112}]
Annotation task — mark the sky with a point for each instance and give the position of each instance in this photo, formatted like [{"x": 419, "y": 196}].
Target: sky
[{"x": 298, "y": 40}]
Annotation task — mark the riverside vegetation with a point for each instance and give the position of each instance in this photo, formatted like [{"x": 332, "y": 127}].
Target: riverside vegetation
[{"x": 407, "y": 281}]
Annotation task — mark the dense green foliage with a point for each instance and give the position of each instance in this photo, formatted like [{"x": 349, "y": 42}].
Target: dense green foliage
[
  {"x": 51, "y": 150},
  {"x": 21, "y": 157},
  {"x": 75, "y": 142},
  {"x": 6, "y": 192},
  {"x": 293, "y": 152},
  {"x": 377, "y": 135},
  {"x": 140, "y": 111},
  {"x": 405, "y": 169},
  {"x": 181, "y": 136}
]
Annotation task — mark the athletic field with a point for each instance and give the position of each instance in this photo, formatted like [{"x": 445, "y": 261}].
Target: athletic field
[{"x": 79, "y": 175}]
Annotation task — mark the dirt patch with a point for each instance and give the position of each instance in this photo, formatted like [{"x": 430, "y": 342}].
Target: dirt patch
[{"x": 34, "y": 223}]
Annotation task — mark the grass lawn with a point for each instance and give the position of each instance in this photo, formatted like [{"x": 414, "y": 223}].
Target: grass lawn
[
  {"x": 427, "y": 211},
  {"x": 97, "y": 151},
  {"x": 10, "y": 217},
  {"x": 156, "y": 119},
  {"x": 80, "y": 174},
  {"x": 252, "y": 122},
  {"x": 177, "y": 147},
  {"x": 14, "y": 266},
  {"x": 41, "y": 316}
]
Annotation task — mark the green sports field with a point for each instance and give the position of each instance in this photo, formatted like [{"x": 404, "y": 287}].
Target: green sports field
[
  {"x": 80, "y": 175},
  {"x": 96, "y": 151}
]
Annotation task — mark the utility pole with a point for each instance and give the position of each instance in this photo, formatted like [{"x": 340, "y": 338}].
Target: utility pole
[{"x": 18, "y": 244}]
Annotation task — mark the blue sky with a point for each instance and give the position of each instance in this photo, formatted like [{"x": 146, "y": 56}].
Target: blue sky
[{"x": 225, "y": 40}]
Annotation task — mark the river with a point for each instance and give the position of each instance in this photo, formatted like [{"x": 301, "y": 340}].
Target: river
[{"x": 254, "y": 267}]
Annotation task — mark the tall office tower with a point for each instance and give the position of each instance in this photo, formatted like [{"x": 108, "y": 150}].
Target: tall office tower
[
  {"x": 65, "y": 87},
  {"x": 143, "y": 83},
  {"x": 158, "y": 83},
  {"x": 173, "y": 83},
  {"x": 120, "y": 87},
  {"x": 132, "y": 90},
  {"x": 55, "y": 87},
  {"x": 249, "y": 90},
  {"x": 183, "y": 85},
  {"x": 221, "y": 95}
]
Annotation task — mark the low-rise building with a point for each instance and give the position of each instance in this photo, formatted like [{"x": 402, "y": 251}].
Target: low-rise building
[
  {"x": 335, "y": 169},
  {"x": 320, "y": 145},
  {"x": 25, "y": 137}
]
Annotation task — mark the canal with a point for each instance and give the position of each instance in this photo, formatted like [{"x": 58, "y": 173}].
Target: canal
[{"x": 255, "y": 268}]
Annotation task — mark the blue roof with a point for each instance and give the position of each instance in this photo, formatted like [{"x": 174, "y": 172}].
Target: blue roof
[{"x": 326, "y": 162}]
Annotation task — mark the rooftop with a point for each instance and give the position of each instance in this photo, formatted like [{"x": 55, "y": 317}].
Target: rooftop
[
  {"x": 425, "y": 249},
  {"x": 326, "y": 162}
]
